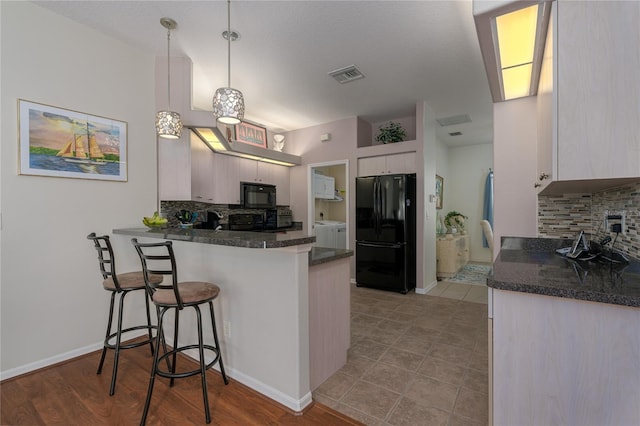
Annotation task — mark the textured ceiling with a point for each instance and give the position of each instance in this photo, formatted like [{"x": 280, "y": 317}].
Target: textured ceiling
[{"x": 409, "y": 51}]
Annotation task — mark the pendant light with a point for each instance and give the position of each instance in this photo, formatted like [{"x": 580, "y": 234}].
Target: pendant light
[
  {"x": 168, "y": 123},
  {"x": 228, "y": 103}
]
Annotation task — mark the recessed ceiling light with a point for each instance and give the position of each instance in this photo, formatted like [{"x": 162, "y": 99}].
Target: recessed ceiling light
[{"x": 346, "y": 74}]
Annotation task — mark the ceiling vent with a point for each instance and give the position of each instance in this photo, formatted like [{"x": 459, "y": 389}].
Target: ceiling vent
[
  {"x": 454, "y": 119},
  {"x": 347, "y": 74},
  {"x": 455, "y": 134}
]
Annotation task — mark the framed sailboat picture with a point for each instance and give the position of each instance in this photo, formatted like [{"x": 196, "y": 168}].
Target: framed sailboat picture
[{"x": 59, "y": 142}]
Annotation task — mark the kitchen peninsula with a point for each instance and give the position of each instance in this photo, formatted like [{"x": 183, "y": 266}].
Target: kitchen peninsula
[
  {"x": 268, "y": 310},
  {"x": 564, "y": 337}
]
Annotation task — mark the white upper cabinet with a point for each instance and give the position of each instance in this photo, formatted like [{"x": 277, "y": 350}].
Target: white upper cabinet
[
  {"x": 215, "y": 178},
  {"x": 267, "y": 173},
  {"x": 589, "y": 98},
  {"x": 387, "y": 164},
  {"x": 174, "y": 179},
  {"x": 324, "y": 186}
]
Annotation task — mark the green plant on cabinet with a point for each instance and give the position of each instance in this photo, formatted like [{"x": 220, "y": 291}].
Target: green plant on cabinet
[{"x": 392, "y": 132}]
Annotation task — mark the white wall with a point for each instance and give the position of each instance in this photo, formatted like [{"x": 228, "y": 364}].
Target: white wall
[
  {"x": 442, "y": 170},
  {"x": 515, "y": 169},
  {"x": 52, "y": 303},
  {"x": 464, "y": 192}
]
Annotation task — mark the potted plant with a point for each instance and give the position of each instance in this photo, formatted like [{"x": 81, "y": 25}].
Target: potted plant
[
  {"x": 392, "y": 132},
  {"x": 454, "y": 220}
]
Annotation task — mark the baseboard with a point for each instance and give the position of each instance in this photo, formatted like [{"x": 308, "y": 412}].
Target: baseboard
[
  {"x": 296, "y": 405},
  {"x": 43, "y": 363},
  {"x": 427, "y": 289}
]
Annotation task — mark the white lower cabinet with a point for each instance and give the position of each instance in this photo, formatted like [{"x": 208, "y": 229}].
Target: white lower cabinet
[{"x": 562, "y": 361}]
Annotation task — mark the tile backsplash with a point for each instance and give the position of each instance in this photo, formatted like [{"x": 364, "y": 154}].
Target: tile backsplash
[{"x": 566, "y": 215}]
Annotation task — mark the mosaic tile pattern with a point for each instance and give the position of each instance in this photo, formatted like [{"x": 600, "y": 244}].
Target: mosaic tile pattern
[{"x": 564, "y": 216}]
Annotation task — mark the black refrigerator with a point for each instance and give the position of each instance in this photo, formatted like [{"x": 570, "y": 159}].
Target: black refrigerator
[{"x": 386, "y": 232}]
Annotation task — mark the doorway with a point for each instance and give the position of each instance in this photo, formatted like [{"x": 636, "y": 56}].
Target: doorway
[{"x": 328, "y": 203}]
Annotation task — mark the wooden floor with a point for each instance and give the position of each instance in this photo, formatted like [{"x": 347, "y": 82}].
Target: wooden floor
[{"x": 72, "y": 394}]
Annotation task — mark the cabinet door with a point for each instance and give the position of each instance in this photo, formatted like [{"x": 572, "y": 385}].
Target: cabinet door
[
  {"x": 325, "y": 236},
  {"x": 401, "y": 163},
  {"x": 280, "y": 178},
  {"x": 546, "y": 110},
  {"x": 247, "y": 170},
  {"x": 202, "y": 172},
  {"x": 371, "y": 166},
  {"x": 323, "y": 187},
  {"x": 598, "y": 89},
  {"x": 226, "y": 182},
  {"x": 174, "y": 168},
  {"x": 387, "y": 164},
  {"x": 329, "y": 187}
]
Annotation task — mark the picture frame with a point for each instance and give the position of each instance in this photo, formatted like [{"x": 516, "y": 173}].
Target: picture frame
[
  {"x": 251, "y": 134},
  {"x": 59, "y": 142},
  {"x": 439, "y": 191}
]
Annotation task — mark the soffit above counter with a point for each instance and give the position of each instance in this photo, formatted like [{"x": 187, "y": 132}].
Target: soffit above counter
[{"x": 217, "y": 142}]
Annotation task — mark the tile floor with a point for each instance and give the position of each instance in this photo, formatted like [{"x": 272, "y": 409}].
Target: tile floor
[{"x": 414, "y": 359}]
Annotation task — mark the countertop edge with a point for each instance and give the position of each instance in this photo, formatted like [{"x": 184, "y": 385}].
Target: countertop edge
[
  {"x": 253, "y": 240},
  {"x": 526, "y": 284},
  {"x": 566, "y": 293},
  {"x": 316, "y": 256}
]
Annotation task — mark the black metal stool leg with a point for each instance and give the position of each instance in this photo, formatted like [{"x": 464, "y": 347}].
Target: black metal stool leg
[
  {"x": 106, "y": 337},
  {"x": 175, "y": 345},
  {"x": 203, "y": 366},
  {"x": 215, "y": 338},
  {"x": 154, "y": 369},
  {"x": 116, "y": 354},
  {"x": 146, "y": 301}
]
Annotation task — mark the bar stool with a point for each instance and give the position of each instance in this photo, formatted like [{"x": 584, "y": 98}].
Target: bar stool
[
  {"x": 121, "y": 284},
  {"x": 159, "y": 258}
]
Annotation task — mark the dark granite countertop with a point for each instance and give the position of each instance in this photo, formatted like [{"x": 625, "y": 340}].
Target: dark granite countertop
[
  {"x": 262, "y": 240},
  {"x": 531, "y": 265},
  {"x": 319, "y": 255}
]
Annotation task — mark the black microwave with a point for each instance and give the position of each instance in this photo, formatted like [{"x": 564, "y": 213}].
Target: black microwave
[{"x": 257, "y": 196}]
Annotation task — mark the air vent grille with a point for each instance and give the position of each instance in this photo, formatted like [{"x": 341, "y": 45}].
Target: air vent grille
[
  {"x": 455, "y": 134},
  {"x": 454, "y": 119},
  {"x": 347, "y": 74}
]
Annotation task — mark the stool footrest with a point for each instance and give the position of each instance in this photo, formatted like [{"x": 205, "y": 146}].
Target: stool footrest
[
  {"x": 180, "y": 375},
  {"x": 112, "y": 336}
]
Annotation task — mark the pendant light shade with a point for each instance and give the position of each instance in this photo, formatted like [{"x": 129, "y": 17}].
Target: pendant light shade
[
  {"x": 168, "y": 123},
  {"x": 228, "y": 103}
]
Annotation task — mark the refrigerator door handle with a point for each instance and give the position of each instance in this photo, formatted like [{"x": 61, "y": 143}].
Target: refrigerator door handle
[
  {"x": 376, "y": 205},
  {"x": 379, "y": 206},
  {"x": 379, "y": 245}
]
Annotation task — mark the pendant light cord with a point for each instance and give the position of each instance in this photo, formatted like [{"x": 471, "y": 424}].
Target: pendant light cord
[
  {"x": 229, "y": 43},
  {"x": 168, "y": 69}
]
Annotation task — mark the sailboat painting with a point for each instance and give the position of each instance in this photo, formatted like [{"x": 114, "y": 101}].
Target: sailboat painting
[{"x": 64, "y": 143}]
